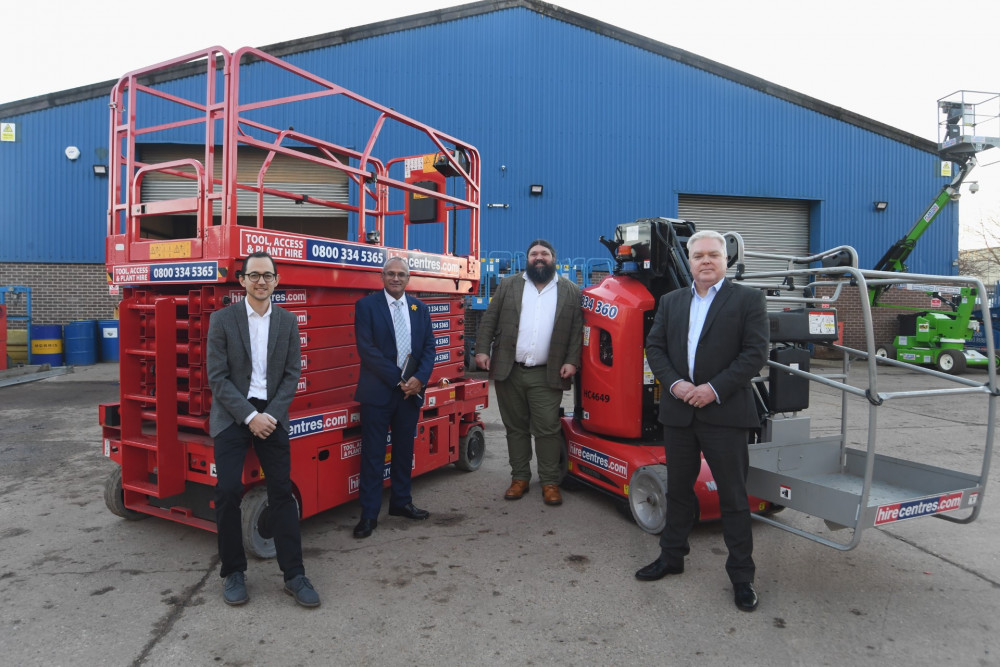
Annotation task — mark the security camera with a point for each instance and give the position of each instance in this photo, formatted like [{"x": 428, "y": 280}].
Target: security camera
[{"x": 974, "y": 187}]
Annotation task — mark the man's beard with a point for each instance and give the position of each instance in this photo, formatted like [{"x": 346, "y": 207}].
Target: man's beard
[{"x": 541, "y": 272}]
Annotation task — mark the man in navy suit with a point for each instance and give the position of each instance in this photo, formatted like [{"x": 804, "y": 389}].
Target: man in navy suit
[
  {"x": 253, "y": 362},
  {"x": 705, "y": 347},
  {"x": 397, "y": 356}
]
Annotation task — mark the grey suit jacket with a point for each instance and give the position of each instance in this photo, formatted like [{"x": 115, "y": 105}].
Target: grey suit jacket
[
  {"x": 230, "y": 365},
  {"x": 499, "y": 326},
  {"x": 731, "y": 351}
]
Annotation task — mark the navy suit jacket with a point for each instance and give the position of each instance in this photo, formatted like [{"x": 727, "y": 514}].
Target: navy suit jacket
[
  {"x": 731, "y": 351},
  {"x": 376, "y": 340}
]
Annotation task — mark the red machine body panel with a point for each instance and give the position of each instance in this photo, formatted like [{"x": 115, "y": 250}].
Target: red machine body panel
[
  {"x": 609, "y": 465},
  {"x": 613, "y": 315}
]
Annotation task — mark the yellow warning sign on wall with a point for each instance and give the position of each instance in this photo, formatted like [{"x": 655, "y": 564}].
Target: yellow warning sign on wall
[{"x": 8, "y": 131}]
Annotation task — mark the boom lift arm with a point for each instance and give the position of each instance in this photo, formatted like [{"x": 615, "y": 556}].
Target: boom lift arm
[{"x": 895, "y": 257}]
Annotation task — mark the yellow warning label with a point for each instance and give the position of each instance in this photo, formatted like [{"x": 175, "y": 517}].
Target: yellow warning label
[
  {"x": 429, "y": 162},
  {"x": 44, "y": 346},
  {"x": 169, "y": 250},
  {"x": 8, "y": 132}
]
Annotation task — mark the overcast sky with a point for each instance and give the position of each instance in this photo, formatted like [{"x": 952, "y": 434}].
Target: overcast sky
[{"x": 886, "y": 59}]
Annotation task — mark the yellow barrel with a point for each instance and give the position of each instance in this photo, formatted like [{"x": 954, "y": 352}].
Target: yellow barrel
[
  {"x": 47, "y": 344},
  {"x": 17, "y": 345}
]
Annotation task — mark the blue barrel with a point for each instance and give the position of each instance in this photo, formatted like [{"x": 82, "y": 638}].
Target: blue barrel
[
  {"x": 81, "y": 342},
  {"x": 109, "y": 339},
  {"x": 47, "y": 344}
]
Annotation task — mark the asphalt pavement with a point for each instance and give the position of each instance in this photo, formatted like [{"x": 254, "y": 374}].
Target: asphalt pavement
[{"x": 483, "y": 581}]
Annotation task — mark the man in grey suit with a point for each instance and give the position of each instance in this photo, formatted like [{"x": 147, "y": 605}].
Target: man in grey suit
[
  {"x": 253, "y": 362},
  {"x": 705, "y": 347},
  {"x": 530, "y": 340}
]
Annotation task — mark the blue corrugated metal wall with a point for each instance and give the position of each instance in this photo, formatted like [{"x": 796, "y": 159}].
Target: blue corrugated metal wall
[
  {"x": 52, "y": 209},
  {"x": 611, "y": 131}
]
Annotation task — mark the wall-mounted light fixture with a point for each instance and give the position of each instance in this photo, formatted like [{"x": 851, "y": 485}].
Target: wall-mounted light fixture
[
  {"x": 881, "y": 205},
  {"x": 535, "y": 190},
  {"x": 100, "y": 170}
]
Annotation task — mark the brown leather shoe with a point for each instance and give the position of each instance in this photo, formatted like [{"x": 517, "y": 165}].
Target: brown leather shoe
[
  {"x": 518, "y": 488},
  {"x": 550, "y": 494}
]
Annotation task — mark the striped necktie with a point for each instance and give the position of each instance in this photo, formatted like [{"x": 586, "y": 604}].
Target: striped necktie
[{"x": 402, "y": 337}]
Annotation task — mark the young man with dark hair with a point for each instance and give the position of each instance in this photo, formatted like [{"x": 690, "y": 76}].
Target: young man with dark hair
[{"x": 251, "y": 393}]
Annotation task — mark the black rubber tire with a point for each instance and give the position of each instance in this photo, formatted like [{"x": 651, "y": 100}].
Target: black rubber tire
[
  {"x": 886, "y": 350},
  {"x": 114, "y": 497},
  {"x": 951, "y": 362},
  {"x": 647, "y": 498},
  {"x": 257, "y": 540},
  {"x": 471, "y": 450}
]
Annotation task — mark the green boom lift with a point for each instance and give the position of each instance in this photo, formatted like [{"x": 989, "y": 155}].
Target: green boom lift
[{"x": 937, "y": 337}]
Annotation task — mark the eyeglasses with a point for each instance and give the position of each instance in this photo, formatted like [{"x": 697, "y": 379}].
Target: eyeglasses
[{"x": 254, "y": 277}]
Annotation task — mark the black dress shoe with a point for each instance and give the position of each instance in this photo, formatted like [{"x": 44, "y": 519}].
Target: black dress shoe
[
  {"x": 410, "y": 511},
  {"x": 746, "y": 596},
  {"x": 365, "y": 527},
  {"x": 658, "y": 569}
]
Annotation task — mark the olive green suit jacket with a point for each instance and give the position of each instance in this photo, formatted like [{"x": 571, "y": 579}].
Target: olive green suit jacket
[{"x": 498, "y": 329}]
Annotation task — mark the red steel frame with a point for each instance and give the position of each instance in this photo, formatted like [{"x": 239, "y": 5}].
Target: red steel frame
[{"x": 158, "y": 432}]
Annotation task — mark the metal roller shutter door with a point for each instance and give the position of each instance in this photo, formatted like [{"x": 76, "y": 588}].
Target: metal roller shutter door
[
  {"x": 289, "y": 174},
  {"x": 766, "y": 225}
]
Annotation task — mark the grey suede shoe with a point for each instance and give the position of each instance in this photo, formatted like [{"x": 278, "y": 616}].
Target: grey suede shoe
[
  {"x": 234, "y": 589},
  {"x": 302, "y": 590}
]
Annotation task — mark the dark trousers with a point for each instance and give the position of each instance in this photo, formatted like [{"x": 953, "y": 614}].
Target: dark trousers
[
  {"x": 400, "y": 415},
  {"x": 283, "y": 516},
  {"x": 725, "y": 451}
]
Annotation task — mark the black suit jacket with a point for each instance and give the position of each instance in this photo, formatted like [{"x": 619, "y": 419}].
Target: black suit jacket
[{"x": 731, "y": 351}]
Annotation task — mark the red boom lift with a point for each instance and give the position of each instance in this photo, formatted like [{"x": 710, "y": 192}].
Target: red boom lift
[{"x": 229, "y": 175}]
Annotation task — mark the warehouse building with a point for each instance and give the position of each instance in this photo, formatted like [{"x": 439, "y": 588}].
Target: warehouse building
[{"x": 580, "y": 125}]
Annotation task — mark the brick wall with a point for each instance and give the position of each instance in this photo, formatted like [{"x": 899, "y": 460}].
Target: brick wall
[{"x": 60, "y": 293}]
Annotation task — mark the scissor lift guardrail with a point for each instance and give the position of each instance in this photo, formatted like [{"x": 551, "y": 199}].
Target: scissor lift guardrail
[{"x": 823, "y": 477}]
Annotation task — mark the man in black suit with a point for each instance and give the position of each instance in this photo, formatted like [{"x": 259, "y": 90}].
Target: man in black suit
[
  {"x": 253, "y": 362},
  {"x": 396, "y": 347},
  {"x": 705, "y": 347}
]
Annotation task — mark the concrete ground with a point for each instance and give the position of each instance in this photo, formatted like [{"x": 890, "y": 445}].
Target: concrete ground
[{"x": 484, "y": 581}]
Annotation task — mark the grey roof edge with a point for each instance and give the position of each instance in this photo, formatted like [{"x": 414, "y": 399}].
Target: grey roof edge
[{"x": 457, "y": 12}]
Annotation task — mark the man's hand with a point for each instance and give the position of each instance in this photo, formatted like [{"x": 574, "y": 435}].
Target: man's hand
[
  {"x": 698, "y": 397},
  {"x": 262, "y": 425},
  {"x": 411, "y": 387},
  {"x": 567, "y": 371},
  {"x": 483, "y": 361}
]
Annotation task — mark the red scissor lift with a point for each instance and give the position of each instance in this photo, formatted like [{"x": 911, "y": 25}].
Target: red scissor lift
[{"x": 176, "y": 256}]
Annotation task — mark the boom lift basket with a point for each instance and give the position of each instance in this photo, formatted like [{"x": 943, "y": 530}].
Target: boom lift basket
[{"x": 821, "y": 475}]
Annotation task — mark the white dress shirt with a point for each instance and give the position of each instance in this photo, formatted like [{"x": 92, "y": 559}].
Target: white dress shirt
[
  {"x": 259, "y": 327},
  {"x": 538, "y": 316},
  {"x": 696, "y": 323}
]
